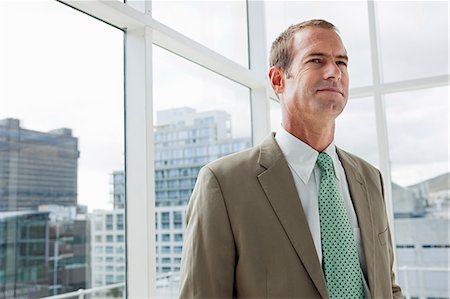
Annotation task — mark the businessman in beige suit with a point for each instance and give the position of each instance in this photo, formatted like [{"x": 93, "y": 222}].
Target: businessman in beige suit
[{"x": 295, "y": 217}]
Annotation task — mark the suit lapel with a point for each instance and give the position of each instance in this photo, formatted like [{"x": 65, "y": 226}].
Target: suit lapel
[
  {"x": 361, "y": 203},
  {"x": 279, "y": 187}
]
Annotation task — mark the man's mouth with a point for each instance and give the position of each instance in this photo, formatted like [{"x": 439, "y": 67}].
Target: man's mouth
[{"x": 331, "y": 89}]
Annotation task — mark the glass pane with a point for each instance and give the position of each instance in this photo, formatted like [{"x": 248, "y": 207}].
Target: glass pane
[
  {"x": 414, "y": 38},
  {"x": 350, "y": 18},
  {"x": 199, "y": 117},
  {"x": 275, "y": 115},
  {"x": 219, "y": 25},
  {"x": 418, "y": 138},
  {"x": 61, "y": 139},
  {"x": 356, "y": 130}
]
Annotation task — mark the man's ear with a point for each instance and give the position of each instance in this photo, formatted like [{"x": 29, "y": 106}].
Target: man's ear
[{"x": 276, "y": 76}]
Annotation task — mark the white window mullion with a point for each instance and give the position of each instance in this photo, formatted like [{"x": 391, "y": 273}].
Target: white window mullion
[
  {"x": 258, "y": 65},
  {"x": 139, "y": 165},
  {"x": 381, "y": 121}
]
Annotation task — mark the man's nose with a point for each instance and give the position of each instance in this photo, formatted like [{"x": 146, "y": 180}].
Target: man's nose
[{"x": 332, "y": 71}]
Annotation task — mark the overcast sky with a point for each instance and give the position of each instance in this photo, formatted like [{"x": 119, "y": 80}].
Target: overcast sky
[{"x": 61, "y": 68}]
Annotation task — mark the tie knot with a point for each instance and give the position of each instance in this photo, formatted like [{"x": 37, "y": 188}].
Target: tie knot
[{"x": 325, "y": 163}]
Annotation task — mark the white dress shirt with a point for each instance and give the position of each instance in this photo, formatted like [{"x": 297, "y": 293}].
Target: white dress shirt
[{"x": 302, "y": 162}]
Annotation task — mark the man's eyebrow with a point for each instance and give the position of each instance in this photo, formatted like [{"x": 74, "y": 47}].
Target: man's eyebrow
[{"x": 345, "y": 57}]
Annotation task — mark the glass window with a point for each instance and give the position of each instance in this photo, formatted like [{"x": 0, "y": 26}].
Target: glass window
[
  {"x": 178, "y": 237},
  {"x": 418, "y": 140},
  {"x": 215, "y": 114},
  {"x": 109, "y": 259},
  {"x": 275, "y": 115},
  {"x": 178, "y": 218},
  {"x": 422, "y": 153},
  {"x": 109, "y": 279},
  {"x": 64, "y": 97},
  {"x": 356, "y": 129},
  {"x": 109, "y": 218},
  {"x": 120, "y": 238},
  {"x": 413, "y": 38},
  {"x": 219, "y": 25},
  {"x": 351, "y": 18}
]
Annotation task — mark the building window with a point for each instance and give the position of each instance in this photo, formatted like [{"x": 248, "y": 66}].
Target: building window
[
  {"x": 166, "y": 237},
  {"x": 109, "y": 259},
  {"x": 178, "y": 237},
  {"x": 178, "y": 218}
]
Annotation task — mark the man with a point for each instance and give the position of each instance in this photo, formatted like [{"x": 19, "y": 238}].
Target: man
[{"x": 294, "y": 217}]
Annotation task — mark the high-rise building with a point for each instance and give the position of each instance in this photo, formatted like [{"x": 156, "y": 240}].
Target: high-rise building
[
  {"x": 23, "y": 254},
  {"x": 107, "y": 247},
  {"x": 118, "y": 184},
  {"x": 36, "y": 168},
  {"x": 185, "y": 140},
  {"x": 38, "y": 171}
]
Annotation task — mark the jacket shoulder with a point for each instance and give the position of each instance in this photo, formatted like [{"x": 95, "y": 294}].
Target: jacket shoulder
[{"x": 235, "y": 163}]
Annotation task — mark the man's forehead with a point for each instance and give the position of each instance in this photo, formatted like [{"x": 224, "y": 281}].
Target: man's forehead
[{"x": 318, "y": 40}]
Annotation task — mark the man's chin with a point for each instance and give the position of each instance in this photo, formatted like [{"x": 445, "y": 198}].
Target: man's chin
[{"x": 333, "y": 107}]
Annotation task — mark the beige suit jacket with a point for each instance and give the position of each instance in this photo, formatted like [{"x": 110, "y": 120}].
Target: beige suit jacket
[{"x": 247, "y": 235}]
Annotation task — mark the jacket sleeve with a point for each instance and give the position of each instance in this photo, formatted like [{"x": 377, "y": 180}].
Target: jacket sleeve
[
  {"x": 396, "y": 290},
  {"x": 208, "y": 260}
]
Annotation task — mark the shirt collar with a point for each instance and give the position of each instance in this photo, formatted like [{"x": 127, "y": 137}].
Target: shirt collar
[{"x": 302, "y": 157}]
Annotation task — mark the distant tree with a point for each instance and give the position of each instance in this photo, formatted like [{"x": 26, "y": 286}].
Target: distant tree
[{"x": 114, "y": 292}]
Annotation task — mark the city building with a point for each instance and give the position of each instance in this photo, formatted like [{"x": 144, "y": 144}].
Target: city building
[
  {"x": 422, "y": 224},
  {"x": 23, "y": 254},
  {"x": 68, "y": 252},
  {"x": 185, "y": 140},
  {"x": 36, "y": 168},
  {"x": 107, "y": 247},
  {"x": 118, "y": 185},
  {"x": 38, "y": 179}
]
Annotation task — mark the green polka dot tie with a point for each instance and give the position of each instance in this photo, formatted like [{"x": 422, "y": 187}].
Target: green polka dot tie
[{"x": 340, "y": 258}]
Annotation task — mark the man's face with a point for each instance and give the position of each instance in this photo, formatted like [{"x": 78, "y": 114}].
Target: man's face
[{"x": 316, "y": 85}]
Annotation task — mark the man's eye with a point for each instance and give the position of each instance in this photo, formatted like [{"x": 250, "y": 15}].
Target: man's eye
[
  {"x": 316, "y": 60},
  {"x": 342, "y": 63}
]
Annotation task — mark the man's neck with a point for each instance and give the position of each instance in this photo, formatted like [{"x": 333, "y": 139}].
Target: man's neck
[{"x": 319, "y": 137}]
